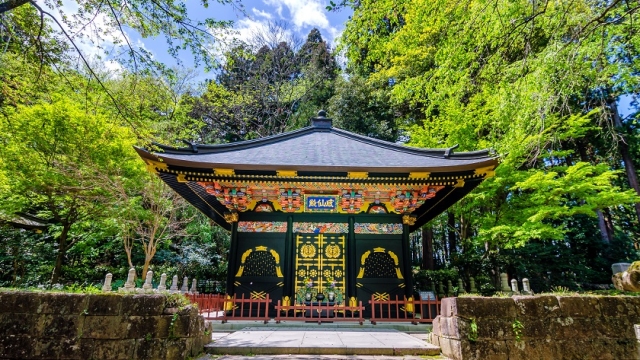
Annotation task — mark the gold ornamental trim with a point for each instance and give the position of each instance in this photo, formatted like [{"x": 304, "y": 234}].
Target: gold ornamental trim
[
  {"x": 332, "y": 251},
  {"x": 358, "y": 175},
  {"x": 393, "y": 256},
  {"x": 231, "y": 217},
  {"x": 286, "y": 173},
  {"x": 308, "y": 251},
  {"x": 153, "y": 165},
  {"x": 223, "y": 172},
  {"x": 258, "y": 295},
  {"x": 419, "y": 175},
  {"x": 274, "y": 253},
  {"x": 380, "y": 296},
  {"x": 487, "y": 171},
  {"x": 409, "y": 219}
]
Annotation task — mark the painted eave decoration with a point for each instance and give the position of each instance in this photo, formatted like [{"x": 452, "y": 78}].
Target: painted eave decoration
[{"x": 319, "y": 169}]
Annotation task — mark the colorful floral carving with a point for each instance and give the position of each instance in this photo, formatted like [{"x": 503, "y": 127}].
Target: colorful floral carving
[
  {"x": 262, "y": 226},
  {"x": 376, "y": 228},
  {"x": 320, "y": 228},
  {"x": 263, "y": 207}
]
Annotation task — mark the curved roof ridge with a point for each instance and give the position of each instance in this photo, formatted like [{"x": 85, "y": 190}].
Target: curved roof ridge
[
  {"x": 247, "y": 144},
  {"x": 239, "y": 144},
  {"x": 439, "y": 152}
]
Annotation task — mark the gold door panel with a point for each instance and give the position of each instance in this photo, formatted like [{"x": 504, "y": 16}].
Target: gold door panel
[{"x": 319, "y": 258}]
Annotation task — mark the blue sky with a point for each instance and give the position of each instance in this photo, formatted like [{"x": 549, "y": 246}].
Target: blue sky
[{"x": 300, "y": 15}]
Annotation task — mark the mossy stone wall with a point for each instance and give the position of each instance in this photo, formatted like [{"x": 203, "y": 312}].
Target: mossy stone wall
[
  {"x": 37, "y": 325},
  {"x": 538, "y": 327}
]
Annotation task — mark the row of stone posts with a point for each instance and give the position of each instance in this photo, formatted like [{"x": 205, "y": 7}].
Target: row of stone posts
[
  {"x": 147, "y": 287},
  {"x": 504, "y": 286},
  {"x": 526, "y": 287}
]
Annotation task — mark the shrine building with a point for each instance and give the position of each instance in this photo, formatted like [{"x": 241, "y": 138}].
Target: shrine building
[{"x": 319, "y": 206}]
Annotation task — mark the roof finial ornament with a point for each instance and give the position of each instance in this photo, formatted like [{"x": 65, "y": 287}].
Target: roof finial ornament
[
  {"x": 321, "y": 121},
  {"x": 192, "y": 145},
  {"x": 449, "y": 151}
]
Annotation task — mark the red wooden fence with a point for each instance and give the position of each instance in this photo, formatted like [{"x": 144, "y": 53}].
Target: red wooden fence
[
  {"x": 403, "y": 310},
  {"x": 228, "y": 308},
  {"x": 225, "y": 308},
  {"x": 320, "y": 312},
  {"x": 246, "y": 309},
  {"x": 209, "y": 305}
]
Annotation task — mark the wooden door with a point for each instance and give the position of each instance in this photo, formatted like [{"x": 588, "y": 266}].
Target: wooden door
[{"x": 320, "y": 258}]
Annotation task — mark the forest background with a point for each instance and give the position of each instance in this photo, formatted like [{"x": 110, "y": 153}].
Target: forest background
[{"x": 538, "y": 81}]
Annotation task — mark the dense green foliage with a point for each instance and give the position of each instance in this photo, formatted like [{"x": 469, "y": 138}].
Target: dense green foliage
[
  {"x": 540, "y": 82},
  {"x": 68, "y": 163}
]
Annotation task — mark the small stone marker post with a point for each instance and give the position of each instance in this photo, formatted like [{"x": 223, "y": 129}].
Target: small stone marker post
[
  {"x": 185, "y": 285},
  {"x": 194, "y": 283},
  {"x": 449, "y": 288},
  {"x": 504, "y": 282},
  {"x": 514, "y": 285},
  {"x": 472, "y": 285},
  {"x": 163, "y": 282},
  {"x": 174, "y": 284},
  {"x": 147, "y": 281},
  {"x": 107, "y": 283},
  {"x": 130, "y": 285},
  {"x": 526, "y": 288},
  {"x": 441, "y": 290},
  {"x": 461, "y": 288}
]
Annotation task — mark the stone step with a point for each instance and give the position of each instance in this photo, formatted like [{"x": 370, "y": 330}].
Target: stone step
[
  {"x": 320, "y": 357},
  {"x": 232, "y": 326},
  {"x": 319, "y": 341}
]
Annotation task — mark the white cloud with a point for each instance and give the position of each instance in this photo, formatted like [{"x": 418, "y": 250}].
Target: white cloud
[
  {"x": 96, "y": 37},
  {"x": 91, "y": 36},
  {"x": 306, "y": 13},
  {"x": 260, "y": 13},
  {"x": 112, "y": 66},
  {"x": 251, "y": 31}
]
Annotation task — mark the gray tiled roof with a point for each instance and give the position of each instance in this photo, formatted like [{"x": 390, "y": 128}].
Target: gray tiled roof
[{"x": 324, "y": 149}]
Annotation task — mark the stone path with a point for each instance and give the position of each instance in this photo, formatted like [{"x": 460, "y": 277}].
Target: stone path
[
  {"x": 319, "y": 357},
  {"x": 338, "y": 343}
]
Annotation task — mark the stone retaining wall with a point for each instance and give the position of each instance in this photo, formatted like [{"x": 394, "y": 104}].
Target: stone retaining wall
[
  {"x": 37, "y": 325},
  {"x": 538, "y": 327}
]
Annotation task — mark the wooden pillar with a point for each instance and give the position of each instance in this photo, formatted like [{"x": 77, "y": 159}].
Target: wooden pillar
[
  {"x": 352, "y": 262},
  {"x": 232, "y": 259},
  {"x": 406, "y": 261},
  {"x": 289, "y": 262}
]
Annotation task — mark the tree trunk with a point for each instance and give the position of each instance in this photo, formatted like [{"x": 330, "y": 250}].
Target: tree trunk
[
  {"x": 629, "y": 167},
  {"x": 451, "y": 232},
  {"x": 427, "y": 248},
  {"x": 150, "y": 251},
  {"x": 604, "y": 230},
  {"x": 62, "y": 251},
  {"x": 445, "y": 247},
  {"x": 145, "y": 268}
]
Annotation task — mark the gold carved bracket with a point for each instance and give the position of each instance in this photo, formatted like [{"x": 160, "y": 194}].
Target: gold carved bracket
[
  {"x": 409, "y": 219},
  {"x": 488, "y": 171},
  {"x": 231, "y": 217},
  {"x": 153, "y": 165}
]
